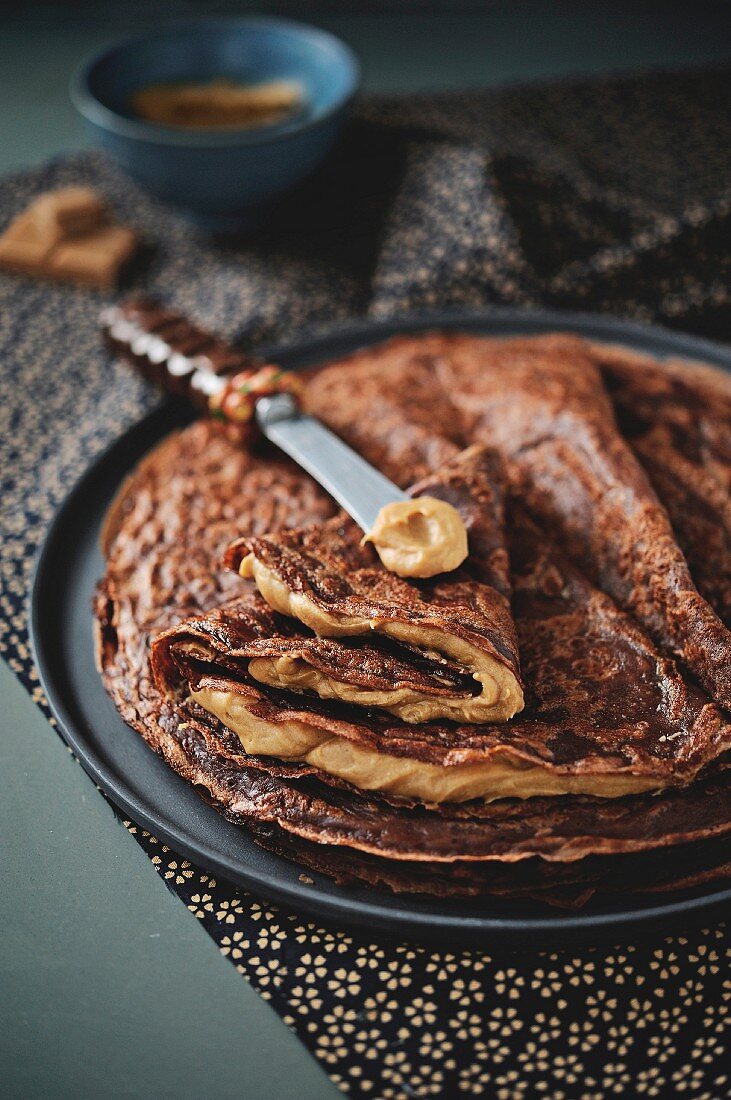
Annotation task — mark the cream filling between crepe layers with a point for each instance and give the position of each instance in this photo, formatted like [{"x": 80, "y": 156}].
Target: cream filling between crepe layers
[
  {"x": 502, "y": 776},
  {"x": 500, "y": 697}
]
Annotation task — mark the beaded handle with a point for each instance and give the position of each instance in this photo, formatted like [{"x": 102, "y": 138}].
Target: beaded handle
[{"x": 181, "y": 359}]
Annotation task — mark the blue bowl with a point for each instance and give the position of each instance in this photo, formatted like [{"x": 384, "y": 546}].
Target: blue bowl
[{"x": 223, "y": 178}]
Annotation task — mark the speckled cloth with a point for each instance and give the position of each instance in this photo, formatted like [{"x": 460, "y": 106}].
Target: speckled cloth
[{"x": 607, "y": 196}]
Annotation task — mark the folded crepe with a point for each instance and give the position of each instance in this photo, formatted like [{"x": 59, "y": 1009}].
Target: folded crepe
[
  {"x": 677, "y": 419},
  {"x": 507, "y": 847},
  {"x": 172, "y": 521},
  {"x": 606, "y": 713},
  {"x": 455, "y": 630},
  {"x": 541, "y": 404},
  {"x": 442, "y": 648}
]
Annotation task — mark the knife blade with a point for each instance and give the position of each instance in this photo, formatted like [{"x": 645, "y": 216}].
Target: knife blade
[{"x": 356, "y": 485}]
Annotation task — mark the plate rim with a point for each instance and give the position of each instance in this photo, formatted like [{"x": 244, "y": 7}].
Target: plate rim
[{"x": 341, "y": 907}]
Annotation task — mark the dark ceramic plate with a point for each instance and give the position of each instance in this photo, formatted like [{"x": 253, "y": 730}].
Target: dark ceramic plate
[{"x": 143, "y": 786}]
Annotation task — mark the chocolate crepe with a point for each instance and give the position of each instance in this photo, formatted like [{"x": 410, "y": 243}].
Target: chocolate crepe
[
  {"x": 229, "y": 639},
  {"x": 605, "y": 714},
  {"x": 541, "y": 848},
  {"x": 337, "y": 586},
  {"x": 173, "y": 520},
  {"x": 568, "y": 886},
  {"x": 542, "y": 404},
  {"x": 677, "y": 418}
]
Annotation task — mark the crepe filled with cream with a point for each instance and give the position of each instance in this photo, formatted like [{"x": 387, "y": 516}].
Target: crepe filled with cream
[
  {"x": 456, "y": 626},
  {"x": 606, "y": 713},
  {"x": 541, "y": 403},
  {"x": 335, "y": 624}
]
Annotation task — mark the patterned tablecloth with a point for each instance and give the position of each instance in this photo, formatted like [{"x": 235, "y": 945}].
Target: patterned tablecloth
[{"x": 610, "y": 196}]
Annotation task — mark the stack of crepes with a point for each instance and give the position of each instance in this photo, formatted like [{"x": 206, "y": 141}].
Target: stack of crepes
[{"x": 550, "y": 721}]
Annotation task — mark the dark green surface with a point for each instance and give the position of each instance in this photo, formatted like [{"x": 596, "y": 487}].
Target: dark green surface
[
  {"x": 109, "y": 988},
  {"x": 513, "y": 40}
]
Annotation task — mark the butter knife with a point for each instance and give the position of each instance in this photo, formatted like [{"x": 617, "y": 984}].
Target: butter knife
[{"x": 184, "y": 360}]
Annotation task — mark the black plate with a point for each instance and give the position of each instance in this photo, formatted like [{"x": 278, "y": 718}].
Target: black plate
[{"x": 142, "y": 785}]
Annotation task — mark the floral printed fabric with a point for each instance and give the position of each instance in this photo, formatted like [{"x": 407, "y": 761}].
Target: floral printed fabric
[{"x": 611, "y": 195}]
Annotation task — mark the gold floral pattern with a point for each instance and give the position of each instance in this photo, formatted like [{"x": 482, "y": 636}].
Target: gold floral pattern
[{"x": 602, "y": 196}]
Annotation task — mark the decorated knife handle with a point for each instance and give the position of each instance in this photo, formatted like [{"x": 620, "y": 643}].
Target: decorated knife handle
[{"x": 181, "y": 359}]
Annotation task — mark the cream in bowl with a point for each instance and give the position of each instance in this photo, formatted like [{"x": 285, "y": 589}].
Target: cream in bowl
[
  {"x": 218, "y": 104},
  {"x": 230, "y": 134}
]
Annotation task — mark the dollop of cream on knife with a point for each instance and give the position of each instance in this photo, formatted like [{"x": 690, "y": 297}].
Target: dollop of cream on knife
[
  {"x": 413, "y": 536},
  {"x": 421, "y": 537}
]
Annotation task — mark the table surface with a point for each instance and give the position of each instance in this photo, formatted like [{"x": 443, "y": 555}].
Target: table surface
[{"x": 98, "y": 959}]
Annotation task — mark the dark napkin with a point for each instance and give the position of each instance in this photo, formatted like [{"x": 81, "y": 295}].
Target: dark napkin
[{"x": 610, "y": 195}]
